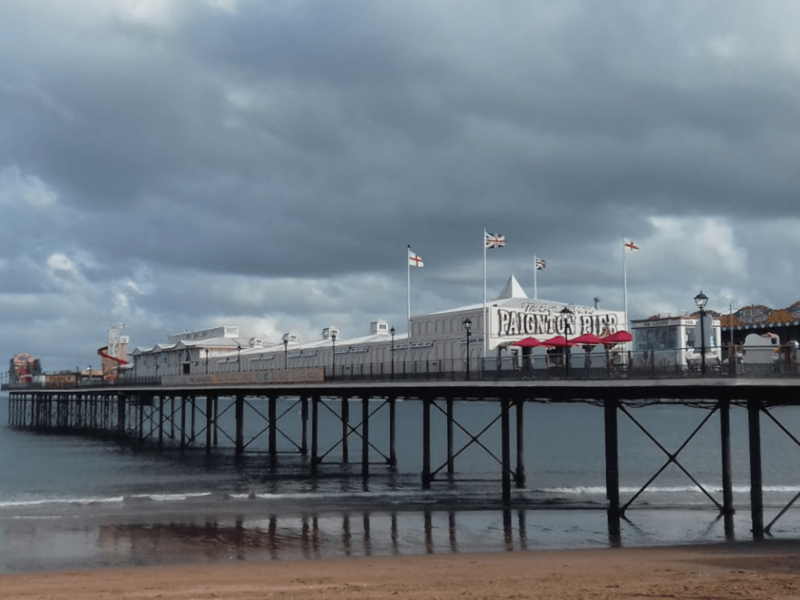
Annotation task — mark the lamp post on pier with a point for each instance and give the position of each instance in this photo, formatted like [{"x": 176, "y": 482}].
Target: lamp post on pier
[
  {"x": 333, "y": 355},
  {"x": 391, "y": 352},
  {"x": 467, "y": 323},
  {"x": 701, "y": 300},
  {"x": 286, "y": 353},
  {"x": 567, "y": 314}
]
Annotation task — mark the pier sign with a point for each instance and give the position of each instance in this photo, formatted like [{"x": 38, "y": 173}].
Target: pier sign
[{"x": 537, "y": 321}]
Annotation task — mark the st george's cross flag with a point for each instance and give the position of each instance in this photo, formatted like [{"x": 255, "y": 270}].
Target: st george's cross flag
[
  {"x": 415, "y": 260},
  {"x": 631, "y": 247},
  {"x": 494, "y": 241},
  {"x": 541, "y": 264}
]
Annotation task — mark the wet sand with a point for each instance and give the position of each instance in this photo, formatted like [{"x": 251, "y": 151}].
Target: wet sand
[{"x": 741, "y": 570}]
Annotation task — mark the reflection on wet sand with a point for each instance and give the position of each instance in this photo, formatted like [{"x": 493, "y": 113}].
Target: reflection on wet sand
[{"x": 309, "y": 536}]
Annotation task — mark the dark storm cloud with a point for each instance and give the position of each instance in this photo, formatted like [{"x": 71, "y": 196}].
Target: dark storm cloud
[{"x": 178, "y": 164}]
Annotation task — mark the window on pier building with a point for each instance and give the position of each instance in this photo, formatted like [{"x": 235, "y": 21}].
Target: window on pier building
[
  {"x": 657, "y": 338},
  {"x": 690, "y": 338}
]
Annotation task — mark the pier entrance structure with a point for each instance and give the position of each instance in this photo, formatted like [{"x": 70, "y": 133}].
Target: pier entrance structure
[{"x": 190, "y": 416}]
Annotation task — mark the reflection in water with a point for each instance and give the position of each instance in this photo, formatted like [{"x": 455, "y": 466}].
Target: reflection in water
[
  {"x": 305, "y": 537},
  {"x": 451, "y": 522},
  {"x": 346, "y": 535},
  {"x": 523, "y": 536},
  {"x": 367, "y": 546}
]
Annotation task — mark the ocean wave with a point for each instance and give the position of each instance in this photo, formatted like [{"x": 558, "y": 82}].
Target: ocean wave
[
  {"x": 174, "y": 497},
  {"x": 653, "y": 489},
  {"x": 45, "y": 501}
]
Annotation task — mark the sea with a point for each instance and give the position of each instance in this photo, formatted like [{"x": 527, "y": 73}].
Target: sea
[{"x": 73, "y": 502}]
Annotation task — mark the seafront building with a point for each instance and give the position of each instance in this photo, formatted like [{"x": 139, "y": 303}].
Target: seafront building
[
  {"x": 666, "y": 340},
  {"x": 438, "y": 341}
]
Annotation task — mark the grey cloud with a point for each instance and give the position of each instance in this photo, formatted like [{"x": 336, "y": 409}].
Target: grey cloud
[{"x": 214, "y": 157}]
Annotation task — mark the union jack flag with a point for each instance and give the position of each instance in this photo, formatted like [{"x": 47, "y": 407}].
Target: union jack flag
[
  {"x": 495, "y": 241},
  {"x": 541, "y": 264}
]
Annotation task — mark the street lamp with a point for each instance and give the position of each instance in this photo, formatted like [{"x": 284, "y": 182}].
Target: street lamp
[
  {"x": 567, "y": 313},
  {"x": 206, "y": 361},
  {"x": 700, "y": 300},
  {"x": 392, "y": 350},
  {"x": 238, "y": 357},
  {"x": 333, "y": 355},
  {"x": 286, "y": 353},
  {"x": 467, "y": 323}
]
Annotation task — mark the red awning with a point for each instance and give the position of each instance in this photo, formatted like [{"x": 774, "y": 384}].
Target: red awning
[
  {"x": 558, "y": 342},
  {"x": 529, "y": 342},
  {"x": 620, "y": 336},
  {"x": 587, "y": 338}
]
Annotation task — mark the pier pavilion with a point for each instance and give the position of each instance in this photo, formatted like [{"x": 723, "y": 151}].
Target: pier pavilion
[{"x": 443, "y": 341}]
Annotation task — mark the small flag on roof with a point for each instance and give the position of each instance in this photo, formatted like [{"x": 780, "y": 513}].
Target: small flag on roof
[{"x": 495, "y": 241}]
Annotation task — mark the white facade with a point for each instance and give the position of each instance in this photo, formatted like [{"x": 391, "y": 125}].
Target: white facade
[
  {"x": 675, "y": 340},
  {"x": 437, "y": 341}
]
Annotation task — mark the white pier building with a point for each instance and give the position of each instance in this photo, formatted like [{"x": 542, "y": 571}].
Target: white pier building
[{"x": 436, "y": 341}]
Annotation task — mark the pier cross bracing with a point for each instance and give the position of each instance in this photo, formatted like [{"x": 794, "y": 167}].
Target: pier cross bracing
[{"x": 190, "y": 417}]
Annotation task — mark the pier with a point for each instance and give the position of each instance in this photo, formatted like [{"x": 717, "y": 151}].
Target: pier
[{"x": 195, "y": 416}]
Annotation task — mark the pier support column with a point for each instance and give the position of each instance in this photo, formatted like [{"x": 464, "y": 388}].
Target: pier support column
[
  {"x": 612, "y": 471},
  {"x": 161, "y": 401},
  {"x": 183, "y": 422},
  {"x": 140, "y": 436},
  {"x": 756, "y": 490},
  {"x": 392, "y": 432},
  {"x": 505, "y": 427},
  {"x": 239, "y": 411},
  {"x": 519, "y": 476},
  {"x": 192, "y": 405},
  {"x": 345, "y": 429},
  {"x": 727, "y": 476},
  {"x": 304, "y": 425},
  {"x": 216, "y": 419},
  {"x": 121, "y": 415},
  {"x": 314, "y": 434},
  {"x": 365, "y": 438},
  {"x": 450, "y": 445},
  {"x": 426, "y": 443},
  {"x": 209, "y": 420},
  {"x": 272, "y": 415}
]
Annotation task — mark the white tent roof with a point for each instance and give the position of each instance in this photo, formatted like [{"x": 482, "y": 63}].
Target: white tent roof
[{"x": 512, "y": 290}]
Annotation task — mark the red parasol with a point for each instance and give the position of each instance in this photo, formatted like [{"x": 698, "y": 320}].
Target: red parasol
[
  {"x": 558, "y": 342},
  {"x": 529, "y": 342},
  {"x": 587, "y": 338},
  {"x": 615, "y": 338}
]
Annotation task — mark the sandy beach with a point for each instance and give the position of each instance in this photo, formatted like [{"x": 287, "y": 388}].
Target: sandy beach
[{"x": 741, "y": 570}]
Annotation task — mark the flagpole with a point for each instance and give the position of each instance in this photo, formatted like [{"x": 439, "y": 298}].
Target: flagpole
[
  {"x": 485, "y": 325},
  {"x": 535, "y": 273},
  {"x": 484, "y": 268},
  {"x": 408, "y": 289},
  {"x": 625, "y": 282}
]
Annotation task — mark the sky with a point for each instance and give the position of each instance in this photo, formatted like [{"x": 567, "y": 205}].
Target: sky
[{"x": 180, "y": 164}]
